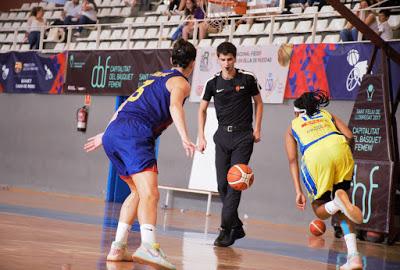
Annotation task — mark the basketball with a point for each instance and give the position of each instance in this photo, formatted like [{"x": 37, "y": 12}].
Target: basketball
[
  {"x": 317, "y": 227},
  {"x": 240, "y": 177},
  {"x": 352, "y": 57}
]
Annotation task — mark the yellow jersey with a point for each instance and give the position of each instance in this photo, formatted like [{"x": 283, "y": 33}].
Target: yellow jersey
[
  {"x": 309, "y": 131},
  {"x": 327, "y": 159}
]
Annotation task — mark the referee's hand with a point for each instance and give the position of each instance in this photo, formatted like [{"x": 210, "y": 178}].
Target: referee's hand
[
  {"x": 202, "y": 145},
  {"x": 257, "y": 136}
]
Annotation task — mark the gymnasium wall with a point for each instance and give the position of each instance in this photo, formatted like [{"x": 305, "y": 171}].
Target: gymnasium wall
[{"x": 41, "y": 149}]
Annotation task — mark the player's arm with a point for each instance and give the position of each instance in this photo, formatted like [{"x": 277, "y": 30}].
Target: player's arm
[
  {"x": 202, "y": 117},
  {"x": 344, "y": 129},
  {"x": 96, "y": 141},
  {"x": 180, "y": 89},
  {"x": 291, "y": 151},
  {"x": 259, "y": 107},
  {"x": 208, "y": 93}
]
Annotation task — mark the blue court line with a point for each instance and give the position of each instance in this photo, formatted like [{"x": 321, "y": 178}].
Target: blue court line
[{"x": 272, "y": 247}]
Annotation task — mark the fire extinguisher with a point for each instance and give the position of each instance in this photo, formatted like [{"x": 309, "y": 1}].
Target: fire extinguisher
[{"x": 82, "y": 118}]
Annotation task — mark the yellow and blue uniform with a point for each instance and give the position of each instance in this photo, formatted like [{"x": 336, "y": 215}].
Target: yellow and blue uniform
[
  {"x": 129, "y": 140},
  {"x": 327, "y": 158}
]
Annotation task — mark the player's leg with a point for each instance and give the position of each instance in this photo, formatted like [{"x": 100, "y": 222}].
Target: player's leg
[
  {"x": 128, "y": 212},
  {"x": 324, "y": 208},
  {"x": 354, "y": 260},
  {"x": 149, "y": 251}
]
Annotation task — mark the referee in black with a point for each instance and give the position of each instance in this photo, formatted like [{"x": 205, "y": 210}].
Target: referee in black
[{"x": 233, "y": 90}]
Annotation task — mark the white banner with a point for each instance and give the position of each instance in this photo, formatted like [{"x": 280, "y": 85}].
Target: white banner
[
  {"x": 203, "y": 175},
  {"x": 260, "y": 60}
]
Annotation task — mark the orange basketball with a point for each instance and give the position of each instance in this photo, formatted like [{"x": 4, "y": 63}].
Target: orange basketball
[
  {"x": 317, "y": 227},
  {"x": 240, "y": 177}
]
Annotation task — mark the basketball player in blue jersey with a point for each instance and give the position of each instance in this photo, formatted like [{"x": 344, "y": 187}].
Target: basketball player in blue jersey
[
  {"x": 326, "y": 166},
  {"x": 129, "y": 142}
]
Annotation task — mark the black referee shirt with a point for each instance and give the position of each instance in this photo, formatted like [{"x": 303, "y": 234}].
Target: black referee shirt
[{"x": 233, "y": 98}]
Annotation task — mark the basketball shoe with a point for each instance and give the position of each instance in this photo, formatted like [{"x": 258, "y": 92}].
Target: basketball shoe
[
  {"x": 153, "y": 255},
  {"x": 119, "y": 252},
  {"x": 354, "y": 262},
  {"x": 346, "y": 207}
]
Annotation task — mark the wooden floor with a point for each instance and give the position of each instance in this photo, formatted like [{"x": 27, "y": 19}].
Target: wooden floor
[{"x": 53, "y": 231}]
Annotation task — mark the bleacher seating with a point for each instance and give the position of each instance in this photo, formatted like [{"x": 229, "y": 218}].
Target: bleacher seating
[{"x": 154, "y": 29}]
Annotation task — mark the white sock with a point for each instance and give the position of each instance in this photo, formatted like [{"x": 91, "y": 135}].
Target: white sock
[
  {"x": 351, "y": 243},
  {"x": 148, "y": 233},
  {"x": 122, "y": 233},
  {"x": 331, "y": 208}
]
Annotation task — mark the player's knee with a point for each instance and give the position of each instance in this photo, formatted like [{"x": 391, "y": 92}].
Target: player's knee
[{"x": 152, "y": 195}]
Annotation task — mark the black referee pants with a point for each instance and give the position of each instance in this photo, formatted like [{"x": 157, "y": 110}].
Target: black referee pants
[{"x": 231, "y": 148}]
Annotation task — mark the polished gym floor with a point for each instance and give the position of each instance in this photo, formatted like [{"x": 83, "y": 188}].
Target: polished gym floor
[{"x": 54, "y": 231}]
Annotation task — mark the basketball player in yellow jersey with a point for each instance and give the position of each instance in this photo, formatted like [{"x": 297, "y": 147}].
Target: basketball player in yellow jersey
[{"x": 326, "y": 166}]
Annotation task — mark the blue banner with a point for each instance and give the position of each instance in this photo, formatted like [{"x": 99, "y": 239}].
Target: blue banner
[
  {"x": 31, "y": 72},
  {"x": 336, "y": 68}
]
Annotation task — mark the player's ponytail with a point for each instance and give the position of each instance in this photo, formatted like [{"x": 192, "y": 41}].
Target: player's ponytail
[
  {"x": 183, "y": 53},
  {"x": 311, "y": 102}
]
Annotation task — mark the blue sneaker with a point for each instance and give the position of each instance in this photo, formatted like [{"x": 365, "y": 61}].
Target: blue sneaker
[{"x": 153, "y": 255}]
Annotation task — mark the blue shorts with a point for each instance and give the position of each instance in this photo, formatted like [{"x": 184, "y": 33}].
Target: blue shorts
[{"x": 130, "y": 145}]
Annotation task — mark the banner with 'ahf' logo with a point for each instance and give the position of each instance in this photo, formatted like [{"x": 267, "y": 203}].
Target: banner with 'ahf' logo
[
  {"x": 270, "y": 64},
  {"x": 31, "y": 72},
  {"x": 112, "y": 72}
]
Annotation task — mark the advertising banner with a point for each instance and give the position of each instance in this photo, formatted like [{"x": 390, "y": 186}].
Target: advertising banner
[
  {"x": 374, "y": 176},
  {"x": 31, "y": 72},
  {"x": 335, "y": 68},
  {"x": 270, "y": 65},
  {"x": 112, "y": 72}
]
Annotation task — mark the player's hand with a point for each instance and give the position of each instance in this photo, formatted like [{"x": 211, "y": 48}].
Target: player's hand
[
  {"x": 93, "y": 143},
  {"x": 202, "y": 145},
  {"x": 301, "y": 201},
  {"x": 257, "y": 136},
  {"x": 189, "y": 147}
]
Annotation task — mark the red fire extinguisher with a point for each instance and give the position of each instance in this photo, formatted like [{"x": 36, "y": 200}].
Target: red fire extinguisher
[{"x": 82, "y": 118}]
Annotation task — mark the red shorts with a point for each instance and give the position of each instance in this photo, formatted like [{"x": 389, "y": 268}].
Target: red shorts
[{"x": 149, "y": 169}]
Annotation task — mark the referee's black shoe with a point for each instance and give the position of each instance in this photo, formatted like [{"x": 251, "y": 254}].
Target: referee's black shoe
[
  {"x": 222, "y": 234},
  {"x": 227, "y": 239}
]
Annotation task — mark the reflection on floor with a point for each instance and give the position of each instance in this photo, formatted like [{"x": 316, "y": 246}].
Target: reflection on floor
[{"x": 53, "y": 231}]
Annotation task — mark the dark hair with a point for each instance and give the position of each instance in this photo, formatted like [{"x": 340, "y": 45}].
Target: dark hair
[
  {"x": 385, "y": 12},
  {"x": 94, "y": 5},
  {"x": 183, "y": 52},
  {"x": 311, "y": 101},
  {"x": 188, "y": 11},
  {"x": 33, "y": 11},
  {"x": 226, "y": 48}
]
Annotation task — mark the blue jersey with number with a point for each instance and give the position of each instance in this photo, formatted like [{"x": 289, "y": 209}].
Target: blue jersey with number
[
  {"x": 129, "y": 140},
  {"x": 150, "y": 102}
]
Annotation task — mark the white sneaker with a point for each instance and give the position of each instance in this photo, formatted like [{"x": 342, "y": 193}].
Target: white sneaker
[
  {"x": 119, "y": 253},
  {"x": 153, "y": 255},
  {"x": 77, "y": 34},
  {"x": 354, "y": 262},
  {"x": 346, "y": 207}
]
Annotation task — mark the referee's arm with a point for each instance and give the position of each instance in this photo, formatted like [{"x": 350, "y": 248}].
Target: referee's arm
[
  {"x": 258, "y": 105},
  {"x": 202, "y": 116}
]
